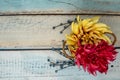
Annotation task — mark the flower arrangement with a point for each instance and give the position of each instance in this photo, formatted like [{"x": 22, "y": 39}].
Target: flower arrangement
[{"x": 89, "y": 45}]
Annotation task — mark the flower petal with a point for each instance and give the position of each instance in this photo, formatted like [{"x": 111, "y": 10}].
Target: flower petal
[{"x": 75, "y": 28}]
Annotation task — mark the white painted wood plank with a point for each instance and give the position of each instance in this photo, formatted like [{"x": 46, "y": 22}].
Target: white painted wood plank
[
  {"x": 36, "y": 31},
  {"x": 30, "y": 65}
]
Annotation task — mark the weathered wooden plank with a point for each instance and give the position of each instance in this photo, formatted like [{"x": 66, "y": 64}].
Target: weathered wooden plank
[
  {"x": 59, "y": 6},
  {"x": 36, "y": 31},
  {"x": 30, "y": 65}
]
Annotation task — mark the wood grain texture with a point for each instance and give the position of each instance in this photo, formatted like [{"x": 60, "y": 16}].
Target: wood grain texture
[
  {"x": 36, "y": 31},
  {"x": 59, "y": 7},
  {"x": 30, "y": 65}
]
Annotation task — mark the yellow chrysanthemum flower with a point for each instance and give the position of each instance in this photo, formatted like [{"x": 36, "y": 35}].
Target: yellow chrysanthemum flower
[{"x": 88, "y": 31}]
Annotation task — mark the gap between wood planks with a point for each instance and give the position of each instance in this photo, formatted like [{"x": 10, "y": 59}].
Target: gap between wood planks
[
  {"x": 36, "y": 49},
  {"x": 33, "y": 14}
]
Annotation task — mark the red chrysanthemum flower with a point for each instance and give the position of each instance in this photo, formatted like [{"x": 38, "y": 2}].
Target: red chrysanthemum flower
[{"x": 95, "y": 57}]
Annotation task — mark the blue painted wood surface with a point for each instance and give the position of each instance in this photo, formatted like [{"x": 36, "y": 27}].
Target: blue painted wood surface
[
  {"x": 26, "y": 65},
  {"x": 27, "y": 32},
  {"x": 59, "y": 6}
]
